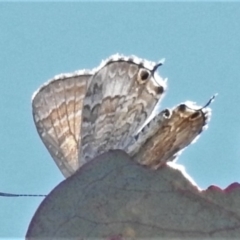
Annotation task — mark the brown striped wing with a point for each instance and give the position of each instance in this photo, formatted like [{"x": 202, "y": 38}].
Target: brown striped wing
[
  {"x": 57, "y": 113},
  {"x": 171, "y": 131},
  {"x": 121, "y": 95}
]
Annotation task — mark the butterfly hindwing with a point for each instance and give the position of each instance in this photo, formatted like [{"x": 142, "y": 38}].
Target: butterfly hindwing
[
  {"x": 163, "y": 142},
  {"x": 121, "y": 95}
]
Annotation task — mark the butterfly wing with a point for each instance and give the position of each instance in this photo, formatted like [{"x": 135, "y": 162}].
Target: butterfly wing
[
  {"x": 158, "y": 144},
  {"x": 120, "y": 96},
  {"x": 57, "y": 113},
  {"x": 146, "y": 132}
]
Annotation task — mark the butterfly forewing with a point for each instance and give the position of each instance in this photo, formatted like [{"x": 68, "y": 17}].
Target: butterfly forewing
[
  {"x": 120, "y": 96},
  {"x": 57, "y": 113}
]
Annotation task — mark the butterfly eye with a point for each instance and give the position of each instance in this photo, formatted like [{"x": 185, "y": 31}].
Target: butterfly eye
[
  {"x": 195, "y": 115},
  {"x": 182, "y": 107},
  {"x": 143, "y": 75}
]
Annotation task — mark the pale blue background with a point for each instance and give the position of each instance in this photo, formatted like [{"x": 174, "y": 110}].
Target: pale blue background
[{"x": 201, "y": 44}]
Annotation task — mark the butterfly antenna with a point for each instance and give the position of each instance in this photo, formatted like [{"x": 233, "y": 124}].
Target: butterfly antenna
[{"x": 21, "y": 195}]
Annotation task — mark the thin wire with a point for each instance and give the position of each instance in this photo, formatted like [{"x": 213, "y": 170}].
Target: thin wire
[{"x": 21, "y": 195}]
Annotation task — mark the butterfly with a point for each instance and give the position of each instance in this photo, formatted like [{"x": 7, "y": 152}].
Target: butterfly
[{"x": 81, "y": 115}]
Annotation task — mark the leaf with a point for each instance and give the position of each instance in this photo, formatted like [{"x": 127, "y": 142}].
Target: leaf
[{"x": 113, "y": 198}]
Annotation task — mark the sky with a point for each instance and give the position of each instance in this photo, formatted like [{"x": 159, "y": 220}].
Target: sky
[{"x": 200, "y": 42}]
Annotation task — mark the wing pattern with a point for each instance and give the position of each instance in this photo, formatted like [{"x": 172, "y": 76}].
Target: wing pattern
[
  {"x": 120, "y": 96},
  {"x": 57, "y": 113},
  {"x": 79, "y": 116},
  {"x": 164, "y": 138}
]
